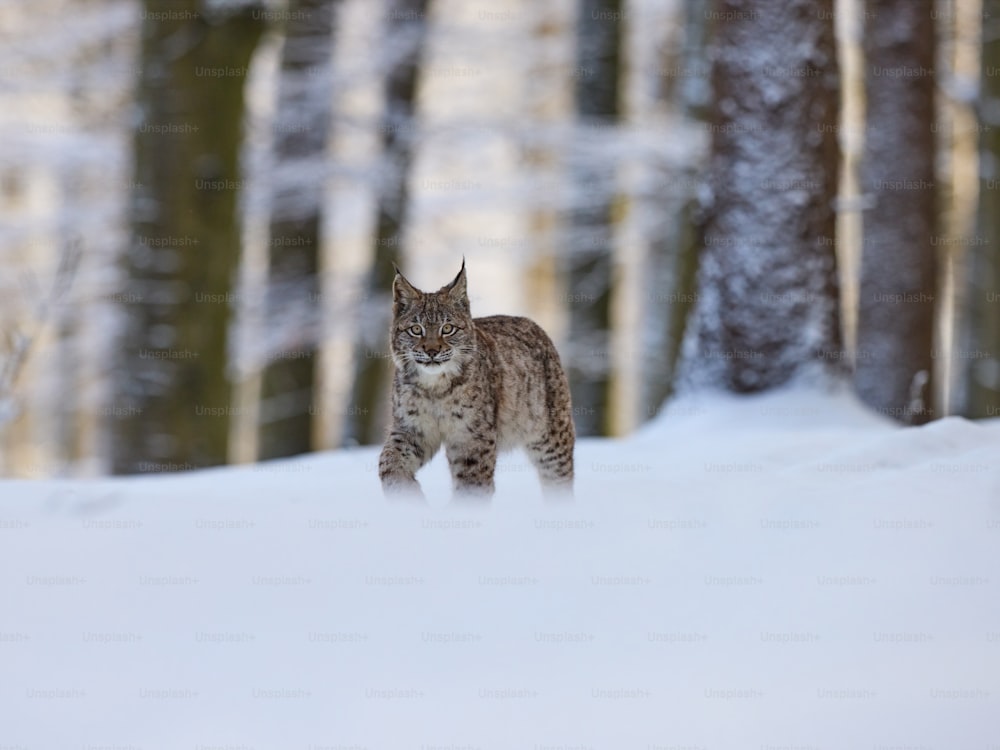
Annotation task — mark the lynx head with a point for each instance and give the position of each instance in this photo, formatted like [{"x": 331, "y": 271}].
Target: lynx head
[{"x": 432, "y": 332}]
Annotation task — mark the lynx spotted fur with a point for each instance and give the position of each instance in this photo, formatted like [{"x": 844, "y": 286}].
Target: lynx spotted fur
[{"x": 478, "y": 386}]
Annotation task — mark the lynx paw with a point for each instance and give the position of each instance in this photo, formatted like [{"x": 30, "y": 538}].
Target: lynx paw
[{"x": 402, "y": 488}]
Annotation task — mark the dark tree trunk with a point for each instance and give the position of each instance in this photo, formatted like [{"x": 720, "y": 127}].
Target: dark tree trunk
[
  {"x": 674, "y": 293},
  {"x": 980, "y": 355},
  {"x": 899, "y": 281},
  {"x": 293, "y": 302},
  {"x": 767, "y": 307},
  {"x": 671, "y": 286},
  {"x": 406, "y": 32},
  {"x": 171, "y": 388},
  {"x": 600, "y": 29}
]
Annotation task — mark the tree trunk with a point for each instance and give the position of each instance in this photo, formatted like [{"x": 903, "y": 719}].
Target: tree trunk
[
  {"x": 548, "y": 104},
  {"x": 171, "y": 391},
  {"x": 598, "y": 72},
  {"x": 682, "y": 260},
  {"x": 899, "y": 281},
  {"x": 293, "y": 301},
  {"x": 767, "y": 305},
  {"x": 671, "y": 284},
  {"x": 406, "y": 32},
  {"x": 980, "y": 355}
]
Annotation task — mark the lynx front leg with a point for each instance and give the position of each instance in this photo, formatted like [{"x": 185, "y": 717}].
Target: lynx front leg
[
  {"x": 473, "y": 464},
  {"x": 402, "y": 454}
]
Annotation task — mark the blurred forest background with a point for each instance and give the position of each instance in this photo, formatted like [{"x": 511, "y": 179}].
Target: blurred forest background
[{"x": 201, "y": 202}]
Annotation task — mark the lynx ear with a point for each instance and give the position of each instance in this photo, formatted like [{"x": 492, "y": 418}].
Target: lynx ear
[
  {"x": 456, "y": 290},
  {"x": 403, "y": 292}
]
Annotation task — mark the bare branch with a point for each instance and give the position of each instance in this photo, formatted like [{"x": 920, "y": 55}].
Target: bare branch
[{"x": 18, "y": 343}]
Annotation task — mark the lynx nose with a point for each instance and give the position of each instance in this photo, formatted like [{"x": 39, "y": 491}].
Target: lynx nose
[{"x": 432, "y": 351}]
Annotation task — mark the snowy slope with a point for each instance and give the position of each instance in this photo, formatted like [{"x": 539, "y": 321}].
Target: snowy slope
[{"x": 783, "y": 571}]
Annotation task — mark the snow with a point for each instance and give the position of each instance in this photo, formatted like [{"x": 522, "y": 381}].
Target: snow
[{"x": 785, "y": 570}]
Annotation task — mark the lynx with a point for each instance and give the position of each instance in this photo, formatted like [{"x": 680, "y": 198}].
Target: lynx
[{"x": 478, "y": 386}]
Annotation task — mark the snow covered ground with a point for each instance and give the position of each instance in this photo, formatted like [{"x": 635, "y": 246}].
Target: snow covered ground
[{"x": 774, "y": 572}]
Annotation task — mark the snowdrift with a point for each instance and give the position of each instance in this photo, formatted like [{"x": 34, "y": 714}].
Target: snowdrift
[{"x": 781, "y": 571}]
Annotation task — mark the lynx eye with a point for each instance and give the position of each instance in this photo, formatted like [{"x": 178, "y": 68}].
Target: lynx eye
[
  {"x": 447, "y": 329},
  {"x": 415, "y": 330}
]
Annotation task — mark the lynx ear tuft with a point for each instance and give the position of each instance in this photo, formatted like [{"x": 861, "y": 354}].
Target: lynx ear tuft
[{"x": 456, "y": 290}]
